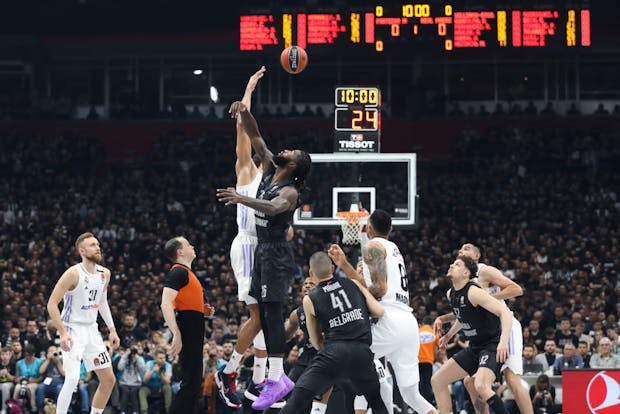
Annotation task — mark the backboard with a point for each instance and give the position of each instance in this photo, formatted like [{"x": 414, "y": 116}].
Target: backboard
[{"x": 384, "y": 181}]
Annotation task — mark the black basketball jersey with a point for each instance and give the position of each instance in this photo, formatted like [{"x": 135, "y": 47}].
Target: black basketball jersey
[
  {"x": 479, "y": 325},
  {"x": 271, "y": 228},
  {"x": 301, "y": 317},
  {"x": 341, "y": 309}
]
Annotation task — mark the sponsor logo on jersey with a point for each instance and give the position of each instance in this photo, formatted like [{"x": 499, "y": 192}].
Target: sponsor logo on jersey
[{"x": 89, "y": 307}]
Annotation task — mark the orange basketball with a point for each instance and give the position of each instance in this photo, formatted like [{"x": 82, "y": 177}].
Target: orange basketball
[{"x": 294, "y": 59}]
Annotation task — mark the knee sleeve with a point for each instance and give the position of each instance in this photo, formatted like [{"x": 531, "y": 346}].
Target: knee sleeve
[
  {"x": 411, "y": 395},
  {"x": 273, "y": 326},
  {"x": 259, "y": 341}
]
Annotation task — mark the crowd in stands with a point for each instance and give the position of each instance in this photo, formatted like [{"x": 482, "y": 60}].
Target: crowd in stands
[{"x": 543, "y": 205}]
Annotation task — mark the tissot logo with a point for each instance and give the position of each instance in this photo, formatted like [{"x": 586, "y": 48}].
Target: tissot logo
[
  {"x": 603, "y": 393},
  {"x": 344, "y": 144}
]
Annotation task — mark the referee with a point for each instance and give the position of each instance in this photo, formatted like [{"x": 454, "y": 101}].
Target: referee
[{"x": 183, "y": 293}]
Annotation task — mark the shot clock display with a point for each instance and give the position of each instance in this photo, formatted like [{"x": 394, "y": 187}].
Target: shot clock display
[{"x": 357, "y": 119}]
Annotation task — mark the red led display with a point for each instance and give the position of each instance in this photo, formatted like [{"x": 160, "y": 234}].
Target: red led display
[
  {"x": 468, "y": 24},
  {"x": 257, "y": 31}
]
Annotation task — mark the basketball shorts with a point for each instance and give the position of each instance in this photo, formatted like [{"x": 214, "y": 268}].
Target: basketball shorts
[
  {"x": 242, "y": 262},
  {"x": 87, "y": 346},
  {"x": 396, "y": 337},
  {"x": 337, "y": 361},
  {"x": 273, "y": 271},
  {"x": 515, "y": 348},
  {"x": 473, "y": 358}
]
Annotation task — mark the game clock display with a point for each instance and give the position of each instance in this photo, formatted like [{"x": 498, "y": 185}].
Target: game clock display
[{"x": 357, "y": 119}]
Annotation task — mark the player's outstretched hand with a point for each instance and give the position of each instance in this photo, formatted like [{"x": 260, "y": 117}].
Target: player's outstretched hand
[
  {"x": 337, "y": 255},
  {"x": 502, "y": 352},
  {"x": 255, "y": 78},
  {"x": 235, "y": 108},
  {"x": 228, "y": 195}
]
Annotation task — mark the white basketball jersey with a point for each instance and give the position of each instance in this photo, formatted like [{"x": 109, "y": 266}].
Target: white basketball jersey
[
  {"x": 81, "y": 304},
  {"x": 491, "y": 290},
  {"x": 397, "y": 294},
  {"x": 245, "y": 214}
]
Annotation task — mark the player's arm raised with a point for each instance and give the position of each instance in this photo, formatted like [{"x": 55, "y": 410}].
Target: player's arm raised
[
  {"x": 291, "y": 325},
  {"x": 479, "y": 297},
  {"x": 314, "y": 328},
  {"x": 375, "y": 309},
  {"x": 340, "y": 259},
  {"x": 244, "y": 167},
  {"x": 374, "y": 257},
  {"x": 508, "y": 288},
  {"x": 68, "y": 281},
  {"x": 284, "y": 201},
  {"x": 106, "y": 314},
  {"x": 251, "y": 128}
]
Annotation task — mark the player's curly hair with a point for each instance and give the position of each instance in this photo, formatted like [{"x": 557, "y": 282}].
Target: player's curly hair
[{"x": 302, "y": 172}]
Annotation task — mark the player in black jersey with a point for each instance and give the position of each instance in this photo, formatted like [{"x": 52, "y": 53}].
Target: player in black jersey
[
  {"x": 337, "y": 316},
  {"x": 480, "y": 316},
  {"x": 284, "y": 178}
]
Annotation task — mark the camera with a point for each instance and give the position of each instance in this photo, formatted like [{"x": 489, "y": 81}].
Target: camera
[
  {"x": 56, "y": 354},
  {"x": 133, "y": 351}
]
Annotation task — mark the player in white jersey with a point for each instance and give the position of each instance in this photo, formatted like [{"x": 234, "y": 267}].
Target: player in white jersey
[
  {"x": 395, "y": 336},
  {"x": 500, "y": 287},
  {"x": 249, "y": 176},
  {"x": 83, "y": 288}
]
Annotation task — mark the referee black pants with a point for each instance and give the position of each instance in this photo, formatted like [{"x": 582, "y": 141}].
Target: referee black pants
[{"x": 192, "y": 327}]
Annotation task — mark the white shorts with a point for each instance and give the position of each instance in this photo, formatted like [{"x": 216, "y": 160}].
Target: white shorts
[
  {"x": 87, "y": 346},
  {"x": 396, "y": 337},
  {"x": 515, "y": 349},
  {"x": 242, "y": 262}
]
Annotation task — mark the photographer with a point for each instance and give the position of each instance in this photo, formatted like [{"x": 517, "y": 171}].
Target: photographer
[
  {"x": 7, "y": 374},
  {"x": 132, "y": 368},
  {"x": 27, "y": 377},
  {"x": 157, "y": 379},
  {"x": 543, "y": 397},
  {"x": 53, "y": 375}
]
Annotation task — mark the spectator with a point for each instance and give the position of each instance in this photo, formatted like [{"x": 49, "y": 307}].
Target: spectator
[
  {"x": 605, "y": 358},
  {"x": 530, "y": 365},
  {"x": 233, "y": 330},
  {"x": 130, "y": 333},
  {"x": 547, "y": 359},
  {"x": 132, "y": 369},
  {"x": 564, "y": 335},
  {"x": 157, "y": 377},
  {"x": 612, "y": 334},
  {"x": 543, "y": 396},
  {"x": 536, "y": 335},
  {"x": 429, "y": 343},
  {"x": 583, "y": 349},
  {"x": 27, "y": 373},
  {"x": 34, "y": 337},
  {"x": 568, "y": 359},
  {"x": 7, "y": 374},
  {"x": 52, "y": 371}
]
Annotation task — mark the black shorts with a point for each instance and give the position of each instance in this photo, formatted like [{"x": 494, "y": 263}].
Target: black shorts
[
  {"x": 302, "y": 363},
  {"x": 273, "y": 271},
  {"x": 473, "y": 358},
  {"x": 341, "y": 360}
]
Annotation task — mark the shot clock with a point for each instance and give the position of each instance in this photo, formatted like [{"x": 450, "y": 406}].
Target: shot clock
[{"x": 357, "y": 119}]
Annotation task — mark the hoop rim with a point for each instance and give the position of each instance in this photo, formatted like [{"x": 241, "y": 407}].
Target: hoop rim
[{"x": 352, "y": 216}]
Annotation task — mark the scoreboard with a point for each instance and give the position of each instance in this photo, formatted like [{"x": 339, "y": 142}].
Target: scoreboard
[
  {"x": 357, "y": 119},
  {"x": 426, "y": 25}
]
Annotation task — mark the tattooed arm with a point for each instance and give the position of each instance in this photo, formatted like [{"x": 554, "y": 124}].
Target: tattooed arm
[{"x": 374, "y": 257}]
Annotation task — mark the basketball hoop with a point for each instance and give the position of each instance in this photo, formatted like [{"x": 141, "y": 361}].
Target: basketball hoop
[{"x": 351, "y": 223}]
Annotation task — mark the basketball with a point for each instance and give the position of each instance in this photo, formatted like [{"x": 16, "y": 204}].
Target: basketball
[{"x": 294, "y": 59}]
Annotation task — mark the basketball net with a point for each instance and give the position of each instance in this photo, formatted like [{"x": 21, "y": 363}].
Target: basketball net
[{"x": 351, "y": 223}]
